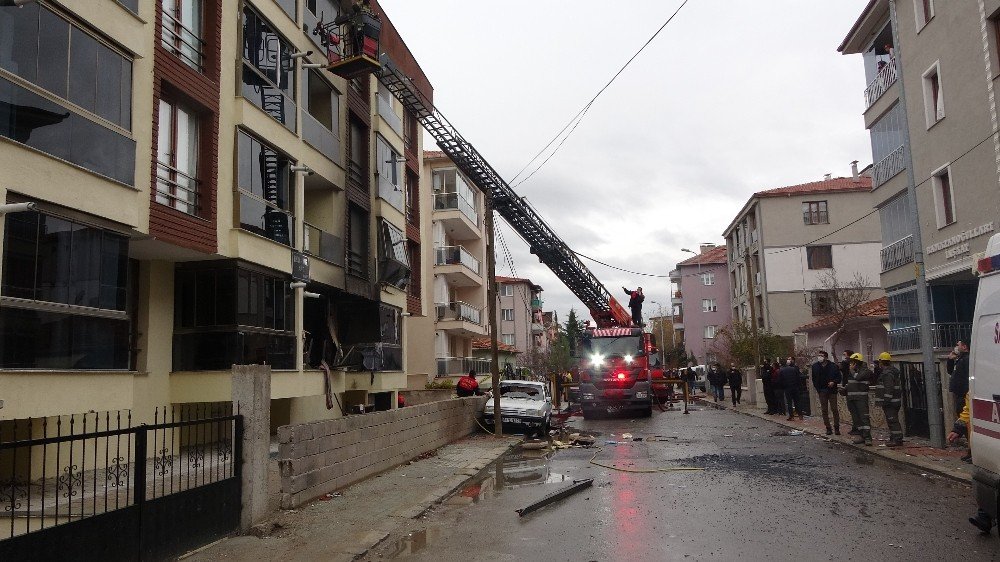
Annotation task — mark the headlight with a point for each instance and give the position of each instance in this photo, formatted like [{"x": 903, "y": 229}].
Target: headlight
[
  {"x": 596, "y": 360},
  {"x": 628, "y": 359}
]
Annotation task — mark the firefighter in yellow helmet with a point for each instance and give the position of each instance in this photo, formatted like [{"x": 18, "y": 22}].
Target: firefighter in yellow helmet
[
  {"x": 890, "y": 398},
  {"x": 857, "y": 397}
]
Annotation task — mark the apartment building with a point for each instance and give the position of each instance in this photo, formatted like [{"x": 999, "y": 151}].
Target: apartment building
[
  {"x": 701, "y": 297},
  {"x": 204, "y": 193},
  {"x": 442, "y": 342},
  {"x": 786, "y": 240},
  {"x": 519, "y": 314},
  {"x": 941, "y": 57}
]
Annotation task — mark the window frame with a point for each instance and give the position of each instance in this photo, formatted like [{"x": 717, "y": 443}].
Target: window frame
[
  {"x": 505, "y": 290},
  {"x": 284, "y": 45},
  {"x": 173, "y": 173},
  {"x": 711, "y": 331},
  {"x": 709, "y": 305},
  {"x": 507, "y": 314},
  {"x": 944, "y": 196},
  {"x": 923, "y": 13},
  {"x": 816, "y": 212},
  {"x": 816, "y": 302},
  {"x": 394, "y": 265},
  {"x": 811, "y": 257},
  {"x": 176, "y": 27},
  {"x": 508, "y": 339},
  {"x": 933, "y": 90},
  {"x": 708, "y": 278},
  {"x": 241, "y": 191}
]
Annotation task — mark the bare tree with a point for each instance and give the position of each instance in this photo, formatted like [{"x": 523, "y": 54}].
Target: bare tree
[{"x": 841, "y": 301}]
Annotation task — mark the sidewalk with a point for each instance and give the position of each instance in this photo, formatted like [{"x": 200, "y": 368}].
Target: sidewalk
[
  {"x": 347, "y": 524},
  {"x": 916, "y": 451}
]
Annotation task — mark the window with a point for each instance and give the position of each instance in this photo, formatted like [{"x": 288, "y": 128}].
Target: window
[
  {"x": 507, "y": 314},
  {"x": 822, "y": 302},
  {"x": 92, "y": 79},
  {"x": 506, "y": 290},
  {"x": 268, "y": 70},
  {"x": 924, "y": 11},
  {"x": 708, "y": 305},
  {"x": 226, "y": 314},
  {"x": 357, "y": 241},
  {"x": 265, "y": 192},
  {"x": 933, "y": 95},
  {"x": 387, "y": 163},
  {"x": 412, "y": 198},
  {"x": 944, "y": 200},
  {"x": 708, "y": 278},
  {"x": 177, "y": 158},
  {"x": 394, "y": 264},
  {"x": 315, "y": 10},
  {"x": 181, "y": 31},
  {"x": 710, "y": 332},
  {"x": 413, "y": 288},
  {"x": 410, "y": 130},
  {"x": 887, "y": 134},
  {"x": 64, "y": 295},
  {"x": 814, "y": 212},
  {"x": 507, "y": 339},
  {"x": 452, "y": 192},
  {"x": 894, "y": 218},
  {"x": 819, "y": 257},
  {"x": 383, "y": 102},
  {"x": 357, "y": 156},
  {"x": 321, "y": 122}
]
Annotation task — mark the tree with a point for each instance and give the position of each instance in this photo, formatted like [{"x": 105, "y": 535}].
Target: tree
[
  {"x": 573, "y": 330},
  {"x": 841, "y": 301},
  {"x": 736, "y": 344}
]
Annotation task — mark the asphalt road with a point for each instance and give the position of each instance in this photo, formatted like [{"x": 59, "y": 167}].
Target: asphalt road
[{"x": 763, "y": 495}]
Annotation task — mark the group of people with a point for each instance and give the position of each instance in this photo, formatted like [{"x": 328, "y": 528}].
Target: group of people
[
  {"x": 718, "y": 380},
  {"x": 785, "y": 392}
]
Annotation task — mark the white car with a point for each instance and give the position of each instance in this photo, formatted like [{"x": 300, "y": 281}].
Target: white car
[{"x": 524, "y": 404}]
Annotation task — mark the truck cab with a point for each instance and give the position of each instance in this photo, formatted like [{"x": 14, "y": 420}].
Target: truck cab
[
  {"x": 614, "y": 369},
  {"x": 984, "y": 382}
]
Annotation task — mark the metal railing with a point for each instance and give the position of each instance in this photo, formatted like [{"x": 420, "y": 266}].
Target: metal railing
[
  {"x": 897, "y": 254},
  {"x": 888, "y": 167},
  {"x": 459, "y": 311},
  {"x": 176, "y": 189},
  {"x": 183, "y": 42},
  {"x": 452, "y": 201},
  {"x": 943, "y": 334},
  {"x": 886, "y": 77},
  {"x": 323, "y": 245},
  {"x": 461, "y": 365},
  {"x": 452, "y": 255}
]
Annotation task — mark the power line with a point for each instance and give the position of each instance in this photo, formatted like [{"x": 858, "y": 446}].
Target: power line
[{"x": 583, "y": 112}]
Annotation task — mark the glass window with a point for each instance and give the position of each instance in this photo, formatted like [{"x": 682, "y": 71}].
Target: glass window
[
  {"x": 394, "y": 265},
  {"x": 268, "y": 69},
  {"x": 708, "y": 278},
  {"x": 177, "y": 158},
  {"x": 181, "y": 32},
  {"x": 894, "y": 218},
  {"x": 388, "y": 174},
  {"x": 708, "y": 305},
  {"x": 507, "y": 314},
  {"x": 322, "y": 101},
  {"x": 19, "y": 26},
  {"x": 822, "y": 302},
  {"x": 887, "y": 134},
  {"x": 507, "y": 339},
  {"x": 944, "y": 202},
  {"x": 815, "y": 212},
  {"x": 83, "y": 67},
  {"x": 710, "y": 332},
  {"x": 903, "y": 312},
  {"x": 819, "y": 257},
  {"x": 506, "y": 290},
  {"x": 265, "y": 190}
]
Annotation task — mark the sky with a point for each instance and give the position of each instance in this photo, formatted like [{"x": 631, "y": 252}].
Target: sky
[{"x": 732, "y": 97}]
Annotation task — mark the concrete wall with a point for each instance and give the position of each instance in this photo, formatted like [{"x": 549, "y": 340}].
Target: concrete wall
[
  {"x": 319, "y": 457},
  {"x": 418, "y": 397}
]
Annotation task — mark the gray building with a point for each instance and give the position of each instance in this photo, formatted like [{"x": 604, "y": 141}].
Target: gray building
[{"x": 519, "y": 313}]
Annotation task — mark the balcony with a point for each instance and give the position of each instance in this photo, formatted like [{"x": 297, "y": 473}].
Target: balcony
[
  {"x": 320, "y": 137},
  {"x": 323, "y": 245},
  {"x": 384, "y": 106},
  {"x": 456, "y": 366},
  {"x": 458, "y": 266},
  {"x": 897, "y": 254},
  {"x": 460, "y": 318},
  {"x": 458, "y": 215},
  {"x": 943, "y": 334},
  {"x": 537, "y": 329},
  {"x": 887, "y": 167},
  {"x": 886, "y": 77},
  {"x": 536, "y": 304}
]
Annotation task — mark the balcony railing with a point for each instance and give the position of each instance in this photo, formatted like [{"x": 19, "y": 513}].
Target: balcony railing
[
  {"x": 462, "y": 365},
  {"x": 182, "y": 42},
  {"x": 320, "y": 137},
  {"x": 323, "y": 245},
  {"x": 450, "y": 201},
  {"x": 886, "y": 77},
  {"x": 897, "y": 254},
  {"x": 536, "y": 304},
  {"x": 944, "y": 335},
  {"x": 452, "y": 255},
  {"x": 459, "y": 311},
  {"x": 888, "y": 167},
  {"x": 176, "y": 189}
]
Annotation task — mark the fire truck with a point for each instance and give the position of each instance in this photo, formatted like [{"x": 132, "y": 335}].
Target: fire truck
[{"x": 616, "y": 364}]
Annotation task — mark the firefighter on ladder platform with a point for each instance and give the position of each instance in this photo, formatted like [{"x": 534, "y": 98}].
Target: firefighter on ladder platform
[
  {"x": 635, "y": 299},
  {"x": 358, "y": 21}
]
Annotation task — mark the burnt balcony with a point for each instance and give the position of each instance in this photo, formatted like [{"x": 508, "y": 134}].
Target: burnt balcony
[{"x": 458, "y": 265}]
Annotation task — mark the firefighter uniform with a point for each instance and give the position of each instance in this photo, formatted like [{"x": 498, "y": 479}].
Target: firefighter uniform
[
  {"x": 890, "y": 398},
  {"x": 857, "y": 398}
]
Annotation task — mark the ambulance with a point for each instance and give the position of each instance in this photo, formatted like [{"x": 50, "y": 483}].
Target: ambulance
[{"x": 984, "y": 381}]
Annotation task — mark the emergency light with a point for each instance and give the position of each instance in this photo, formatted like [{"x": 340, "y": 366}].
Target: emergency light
[{"x": 989, "y": 264}]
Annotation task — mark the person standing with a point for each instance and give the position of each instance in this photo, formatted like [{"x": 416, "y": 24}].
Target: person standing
[
  {"x": 635, "y": 299},
  {"x": 765, "y": 378},
  {"x": 959, "y": 383},
  {"x": 857, "y": 398},
  {"x": 735, "y": 383},
  {"x": 890, "y": 398},
  {"x": 688, "y": 376},
  {"x": 826, "y": 378},
  {"x": 845, "y": 377},
  {"x": 779, "y": 393},
  {"x": 790, "y": 381},
  {"x": 717, "y": 379}
]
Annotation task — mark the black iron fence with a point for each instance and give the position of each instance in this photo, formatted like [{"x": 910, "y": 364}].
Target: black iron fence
[
  {"x": 117, "y": 491},
  {"x": 915, "y": 397}
]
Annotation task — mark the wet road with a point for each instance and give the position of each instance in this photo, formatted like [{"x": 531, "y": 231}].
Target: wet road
[{"x": 763, "y": 494}]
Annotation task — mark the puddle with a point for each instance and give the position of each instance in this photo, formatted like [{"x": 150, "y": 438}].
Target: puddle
[
  {"x": 520, "y": 467},
  {"x": 414, "y": 542}
]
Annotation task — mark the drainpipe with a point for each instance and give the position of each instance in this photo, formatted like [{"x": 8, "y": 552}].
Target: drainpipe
[{"x": 932, "y": 381}]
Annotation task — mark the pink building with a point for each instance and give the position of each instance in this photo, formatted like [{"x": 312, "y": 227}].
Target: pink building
[{"x": 701, "y": 300}]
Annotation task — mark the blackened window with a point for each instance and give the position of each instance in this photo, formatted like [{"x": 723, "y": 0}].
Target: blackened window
[
  {"x": 394, "y": 264},
  {"x": 823, "y": 302},
  {"x": 819, "y": 257},
  {"x": 414, "y": 252},
  {"x": 357, "y": 241},
  {"x": 265, "y": 190},
  {"x": 64, "y": 293},
  {"x": 268, "y": 69}
]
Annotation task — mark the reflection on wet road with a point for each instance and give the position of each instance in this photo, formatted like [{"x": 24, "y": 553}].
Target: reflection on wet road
[{"x": 761, "y": 494}]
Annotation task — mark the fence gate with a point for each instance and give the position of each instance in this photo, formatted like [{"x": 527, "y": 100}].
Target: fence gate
[
  {"x": 92, "y": 487},
  {"x": 915, "y": 397}
]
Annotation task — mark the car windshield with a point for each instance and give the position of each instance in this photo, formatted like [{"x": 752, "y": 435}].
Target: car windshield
[
  {"x": 611, "y": 346},
  {"x": 521, "y": 391}
]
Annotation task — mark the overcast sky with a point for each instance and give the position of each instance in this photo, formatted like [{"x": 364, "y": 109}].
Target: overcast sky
[{"x": 734, "y": 96}]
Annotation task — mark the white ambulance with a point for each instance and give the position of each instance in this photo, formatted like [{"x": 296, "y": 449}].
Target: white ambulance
[{"x": 984, "y": 380}]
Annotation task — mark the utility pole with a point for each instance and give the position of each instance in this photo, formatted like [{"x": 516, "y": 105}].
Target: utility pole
[
  {"x": 932, "y": 381},
  {"x": 491, "y": 307}
]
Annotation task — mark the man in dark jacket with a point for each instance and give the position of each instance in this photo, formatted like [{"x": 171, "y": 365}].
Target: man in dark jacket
[
  {"x": 735, "y": 383},
  {"x": 718, "y": 380},
  {"x": 635, "y": 299},
  {"x": 790, "y": 378},
  {"x": 826, "y": 377},
  {"x": 959, "y": 383},
  {"x": 845, "y": 376},
  {"x": 769, "y": 388}
]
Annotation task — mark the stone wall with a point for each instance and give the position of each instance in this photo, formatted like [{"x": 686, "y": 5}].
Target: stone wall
[
  {"x": 319, "y": 457},
  {"x": 418, "y": 397}
]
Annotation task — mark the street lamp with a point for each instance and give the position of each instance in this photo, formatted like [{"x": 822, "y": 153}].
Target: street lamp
[{"x": 695, "y": 253}]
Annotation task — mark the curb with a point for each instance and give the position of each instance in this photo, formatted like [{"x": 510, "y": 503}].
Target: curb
[{"x": 965, "y": 478}]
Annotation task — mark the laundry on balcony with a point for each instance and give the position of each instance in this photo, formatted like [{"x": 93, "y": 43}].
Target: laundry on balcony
[{"x": 351, "y": 42}]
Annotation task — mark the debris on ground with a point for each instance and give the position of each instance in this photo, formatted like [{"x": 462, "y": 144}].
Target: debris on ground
[
  {"x": 796, "y": 432},
  {"x": 577, "y": 486}
]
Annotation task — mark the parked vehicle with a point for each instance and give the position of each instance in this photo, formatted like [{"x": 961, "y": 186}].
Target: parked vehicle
[
  {"x": 524, "y": 405},
  {"x": 614, "y": 366},
  {"x": 984, "y": 377}
]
